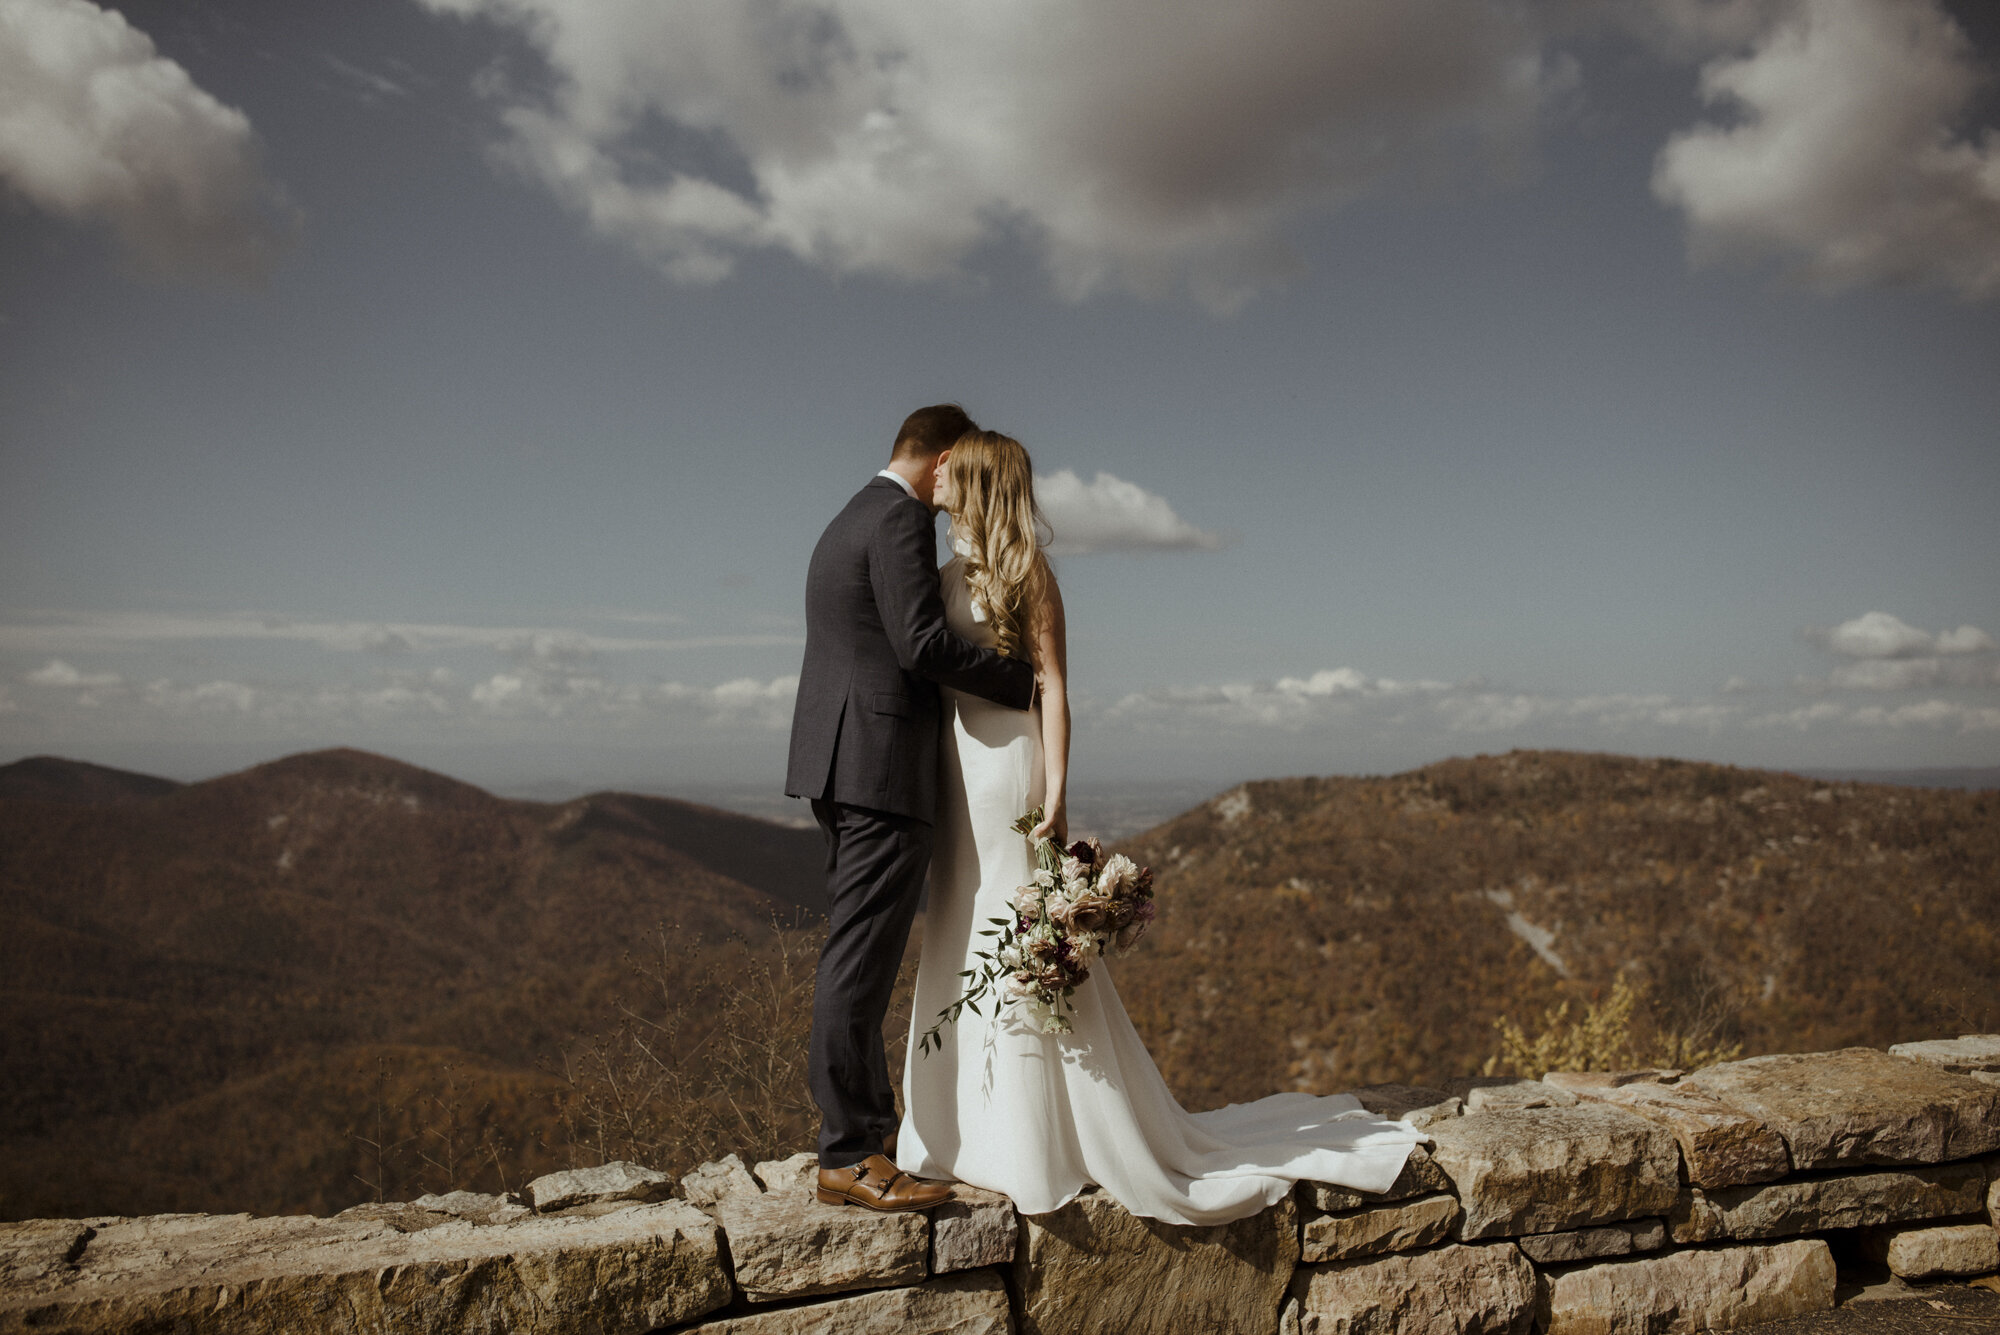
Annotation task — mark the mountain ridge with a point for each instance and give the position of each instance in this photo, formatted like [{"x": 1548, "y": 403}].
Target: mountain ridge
[{"x": 155, "y": 950}]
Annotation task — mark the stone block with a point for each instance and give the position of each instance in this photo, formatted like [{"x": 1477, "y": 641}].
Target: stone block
[
  {"x": 1721, "y": 1146},
  {"x": 1419, "y": 1105},
  {"x": 1831, "y": 1200},
  {"x": 1543, "y": 1170},
  {"x": 633, "y": 1269},
  {"x": 970, "y": 1304},
  {"x": 788, "y": 1245},
  {"x": 1576, "y": 1082},
  {"x": 1935, "y": 1251},
  {"x": 704, "y": 1186},
  {"x": 1401, "y": 1227},
  {"x": 798, "y": 1173},
  {"x": 479, "y": 1207},
  {"x": 1091, "y": 1268},
  {"x": 1708, "y": 1288},
  {"x": 1964, "y": 1055},
  {"x": 1420, "y": 1177},
  {"x": 1859, "y": 1106},
  {"x": 615, "y": 1181},
  {"x": 1517, "y": 1095},
  {"x": 1483, "y": 1289},
  {"x": 1396, "y": 1100},
  {"x": 974, "y": 1228},
  {"x": 37, "y": 1251},
  {"x": 1589, "y": 1244}
]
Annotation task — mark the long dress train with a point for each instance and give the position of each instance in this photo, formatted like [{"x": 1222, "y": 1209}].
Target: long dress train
[{"x": 1041, "y": 1116}]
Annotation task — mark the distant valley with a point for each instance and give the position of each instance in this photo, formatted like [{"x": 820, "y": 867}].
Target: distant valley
[
  {"x": 204, "y": 984},
  {"x": 230, "y": 995}
]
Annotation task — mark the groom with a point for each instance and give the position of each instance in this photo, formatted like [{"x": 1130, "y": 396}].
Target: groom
[{"x": 865, "y": 750}]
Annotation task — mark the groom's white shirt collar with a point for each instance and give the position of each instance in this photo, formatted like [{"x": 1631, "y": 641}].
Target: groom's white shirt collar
[{"x": 900, "y": 481}]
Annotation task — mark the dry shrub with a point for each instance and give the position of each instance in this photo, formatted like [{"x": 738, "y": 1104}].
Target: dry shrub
[
  {"x": 427, "y": 1128},
  {"x": 1612, "y": 1036},
  {"x": 710, "y": 1059}
]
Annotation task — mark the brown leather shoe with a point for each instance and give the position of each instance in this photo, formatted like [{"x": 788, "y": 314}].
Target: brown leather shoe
[
  {"x": 889, "y": 1147},
  {"x": 877, "y": 1184}
]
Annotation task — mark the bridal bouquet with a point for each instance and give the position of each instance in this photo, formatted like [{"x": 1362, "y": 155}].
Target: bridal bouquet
[{"x": 1078, "y": 907}]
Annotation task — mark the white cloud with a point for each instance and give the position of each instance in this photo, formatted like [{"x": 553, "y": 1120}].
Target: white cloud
[
  {"x": 1875, "y": 635},
  {"x": 1966, "y": 640},
  {"x": 1836, "y": 151},
  {"x": 1110, "y": 514},
  {"x": 1137, "y": 145},
  {"x": 96, "y": 125},
  {"x": 1353, "y": 701},
  {"x": 369, "y": 86},
  {"x": 1916, "y": 674},
  {"x": 59, "y": 673},
  {"x": 1889, "y": 654},
  {"x": 207, "y": 697},
  {"x": 743, "y": 700},
  {"x": 1327, "y": 693},
  {"x": 1934, "y": 715},
  {"x": 79, "y": 632}
]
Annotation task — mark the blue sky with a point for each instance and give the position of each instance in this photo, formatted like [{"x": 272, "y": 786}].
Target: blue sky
[{"x": 468, "y": 380}]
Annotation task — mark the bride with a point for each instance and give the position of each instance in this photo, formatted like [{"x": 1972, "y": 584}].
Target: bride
[{"x": 1002, "y": 1105}]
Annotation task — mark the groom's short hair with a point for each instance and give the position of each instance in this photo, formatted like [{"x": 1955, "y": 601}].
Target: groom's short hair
[{"x": 929, "y": 432}]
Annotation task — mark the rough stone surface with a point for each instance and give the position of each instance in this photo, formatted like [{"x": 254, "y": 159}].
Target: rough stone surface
[
  {"x": 1710, "y": 1288},
  {"x": 35, "y": 1251},
  {"x": 1516, "y": 1095},
  {"x": 712, "y": 1182},
  {"x": 479, "y": 1207},
  {"x": 1395, "y": 1100},
  {"x": 1859, "y": 1106},
  {"x": 1091, "y": 1268},
  {"x": 1993, "y": 1195},
  {"x": 1401, "y": 1227},
  {"x": 1420, "y": 1177},
  {"x": 788, "y": 1245},
  {"x": 1834, "y": 1200},
  {"x": 1485, "y": 1289},
  {"x": 1545, "y": 1169},
  {"x": 969, "y": 1304},
  {"x": 798, "y": 1173},
  {"x": 974, "y": 1228},
  {"x": 615, "y": 1181},
  {"x": 1419, "y": 1105},
  {"x": 1963, "y": 1055},
  {"x": 1576, "y": 1082},
  {"x": 1939, "y": 1250},
  {"x": 632, "y": 1270},
  {"x": 1589, "y": 1244},
  {"x": 1721, "y": 1146}
]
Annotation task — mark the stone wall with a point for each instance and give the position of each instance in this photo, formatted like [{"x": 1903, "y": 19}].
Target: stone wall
[{"x": 1649, "y": 1201}]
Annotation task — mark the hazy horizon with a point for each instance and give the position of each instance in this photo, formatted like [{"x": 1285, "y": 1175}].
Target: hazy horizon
[{"x": 1109, "y": 806}]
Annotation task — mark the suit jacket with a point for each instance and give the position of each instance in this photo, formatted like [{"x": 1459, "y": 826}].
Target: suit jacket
[{"x": 865, "y": 727}]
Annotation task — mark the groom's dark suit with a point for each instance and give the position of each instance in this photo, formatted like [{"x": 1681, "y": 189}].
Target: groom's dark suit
[{"x": 865, "y": 750}]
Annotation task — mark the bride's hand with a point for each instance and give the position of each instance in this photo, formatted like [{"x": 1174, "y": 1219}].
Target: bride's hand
[{"x": 1054, "y": 826}]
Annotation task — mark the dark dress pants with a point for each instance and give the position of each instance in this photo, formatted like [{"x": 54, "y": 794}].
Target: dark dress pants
[{"x": 875, "y": 865}]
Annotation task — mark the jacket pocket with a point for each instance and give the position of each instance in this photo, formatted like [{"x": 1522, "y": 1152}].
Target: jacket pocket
[{"x": 891, "y": 704}]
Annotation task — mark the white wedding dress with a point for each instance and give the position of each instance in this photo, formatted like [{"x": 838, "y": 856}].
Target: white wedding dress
[{"x": 1041, "y": 1116}]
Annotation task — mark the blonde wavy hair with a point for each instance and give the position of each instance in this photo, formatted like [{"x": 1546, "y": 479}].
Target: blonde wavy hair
[{"x": 994, "y": 510}]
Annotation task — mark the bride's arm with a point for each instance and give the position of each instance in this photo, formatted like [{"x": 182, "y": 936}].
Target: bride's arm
[{"x": 1049, "y": 651}]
